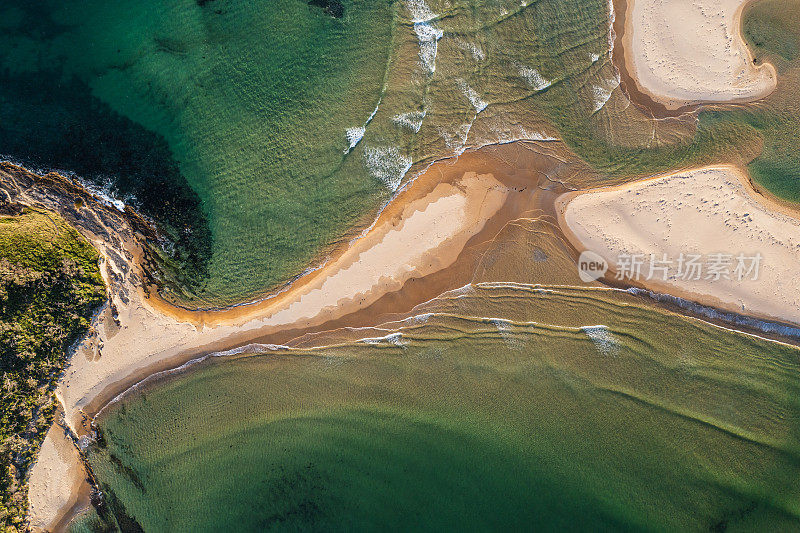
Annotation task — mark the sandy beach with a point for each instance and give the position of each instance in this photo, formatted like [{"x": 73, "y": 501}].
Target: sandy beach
[
  {"x": 685, "y": 53},
  {"x": 425, "y": 236},
  {"x": 428, "y": 240},
  {"x": 58, "y": 484},
  {"x": 704, "y": 212},
  {"x": 421, "y": 233}
]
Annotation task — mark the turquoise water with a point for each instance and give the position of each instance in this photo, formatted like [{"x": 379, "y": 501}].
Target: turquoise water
[
  {"x": 260, "y": 134},
  {"x": 248, "y": 100},
  {"x": 231, "y": 123}
]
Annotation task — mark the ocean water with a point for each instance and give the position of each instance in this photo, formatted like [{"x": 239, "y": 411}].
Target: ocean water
[
  {"x": 261, "y": 134},
  {"x": 521, "y": 399},
  {"x": 573, "y": 409},
  {"x": 245, "y": 104}
]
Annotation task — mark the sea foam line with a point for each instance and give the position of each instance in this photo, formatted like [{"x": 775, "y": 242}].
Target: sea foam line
[
  {"x": 474, "y": 98},
  {"x": 601, "y": 336},
  {"x": 354, "y": 135},
  {"x": 411, "y": 120},
  {"x": 387, "y": 164},
  {"x": 428, "y": 35},
  {"x": 716, "y": 314},
  {"x": 103, "y": 194},
  {"x": 602, "y": 92},
  {"x": 534, "y": 78}
]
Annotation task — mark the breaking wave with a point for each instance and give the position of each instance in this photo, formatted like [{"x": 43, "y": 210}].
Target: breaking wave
[
  {"x": 477, "y": 102},
  {"x": 602, "y": 338},
  {"x": 533, "y": 78},
  {"x": 411, "y": 120},
  {"x": 387, "y": 164}
]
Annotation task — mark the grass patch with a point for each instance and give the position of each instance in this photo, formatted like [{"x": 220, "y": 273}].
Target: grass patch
[{"x": 50, "y": 284}]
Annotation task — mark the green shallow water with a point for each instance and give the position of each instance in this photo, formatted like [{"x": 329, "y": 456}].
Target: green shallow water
[
  {"x": 652, "y": 422},
  {"x": 250, "y": 99},
  {"x": 231, "y": 123}
]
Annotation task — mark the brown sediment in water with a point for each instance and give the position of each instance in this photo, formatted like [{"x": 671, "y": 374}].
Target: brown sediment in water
[
  {"x": 534, "y": 174},
  {"x": 524, "y": 167}
]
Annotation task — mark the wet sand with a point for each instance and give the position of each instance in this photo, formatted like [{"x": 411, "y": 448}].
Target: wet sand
[
  {"x": 531, "y": 175},
  {"x": 703, "y": 211},
  {"x": 433, "y": 234}
]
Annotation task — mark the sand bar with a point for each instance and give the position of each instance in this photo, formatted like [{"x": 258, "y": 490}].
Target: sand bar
[
  {"x": 704, "y": 211},
  {"x": 690, "y": 52},
  {"x": 423, "y": 236},
  {"x": 425, "y": 242}
]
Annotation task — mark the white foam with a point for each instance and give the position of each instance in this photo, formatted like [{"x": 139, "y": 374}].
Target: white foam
[
  {"x": 464, "y": 290},
  {"x": 387, "y": 164},
  {"x": 477, "y": 52},
  {"x": 602, "y": 92},
  {"x": 428, "y": 36},
  {"x": 534, "y": 78},
  {"x": 420, "y": 319},
  {"x": 411, "y": 120},
  {"x": 504, "y": 328},
  {"x": 102, "y": 193},
  {"x": 595, "y": 58},
  {"x": 456, "y": 141},
  {"x": 539, "y": 136},
  {"x": 612, "y": 17},
  {"x": 503, "y": 131},
  {"x": 473, "y": 97},
  {"x": 716, "y": 314},
  {"x": 354, "y": 136},
  {"x": 395, "y": 339},
  {"x": 605, "y": 341},
  {"x": 419, "y": 11}
]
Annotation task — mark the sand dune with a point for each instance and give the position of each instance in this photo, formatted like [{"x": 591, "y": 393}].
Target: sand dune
[
  {"x": 705, "y": 211},
  {"x": 688, "y": 52}
]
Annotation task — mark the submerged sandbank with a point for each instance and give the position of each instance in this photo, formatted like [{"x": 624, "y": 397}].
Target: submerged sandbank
[
  {"x": 680, "y": 54},
  {"x": 700, "y": 212}
]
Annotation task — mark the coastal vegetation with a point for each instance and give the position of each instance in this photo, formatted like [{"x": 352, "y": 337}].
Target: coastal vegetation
[{"x": 50, "y": 284}]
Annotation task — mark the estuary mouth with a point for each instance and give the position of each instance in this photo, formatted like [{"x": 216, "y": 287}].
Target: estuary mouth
[{"x": 421, "y": 264}]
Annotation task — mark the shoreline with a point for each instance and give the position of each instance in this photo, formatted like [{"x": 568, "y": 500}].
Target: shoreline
[
  {"x": 663, "y": 105},
  {"x": 399, "y": 300},
  {"x": 620, "y": 58},
  {"x": 672, "y": 289},
  {"x": 135, "y": 336},
  {"x": 530, "y": 188}
]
